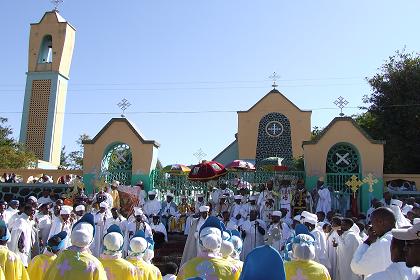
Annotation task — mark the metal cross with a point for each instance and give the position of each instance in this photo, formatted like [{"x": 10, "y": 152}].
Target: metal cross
[
  {"x": 354, "y": 183},
  {"x": 120, "y": 155},
  {"x": 370, "y": 180},
  {"x": 274, "y": 77},
  {"x": 56, "y": 3},
  {"x": 341, "y": 103},
  {"x": 342, "y": 158},
  {"x": 274, "y": 129},
  {"x": 200, "y": 155},
  {"x": 123, "y": 104}
]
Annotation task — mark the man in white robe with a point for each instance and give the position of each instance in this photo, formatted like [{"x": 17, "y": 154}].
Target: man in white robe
[
  {"x": 45, "y": 198},
  {"x": 278, "y": 232},
  {"x": 252, "y": 231},
  {"x": 44, "y": 222},
  {"x": 222, "y": 190},
  {"x": 100, "y": 217},
  {"x": 332, "y": 238},
  {"x": 158, "y": 228},
  {"x": 115, "y": 219},
  {"x": 346, "y": 245},
  {"x": 310, "y": 221},
  {"x": 169, "y": 211},
  {"x": 373, "y": 255},
  {"x": 62, "y": 223},
  {"x": 134, "y": 224},
  {"x": 191, "y": 249},
  {"x": 23, "y": 235},
  {"x": 324, "y": 197},
  {"x": 11, "y": 210},
  {"x": 80, "y": 211},
  {"x": 238, "y": 211},
  {"x": 401, "y": 268},
  {"x": 152, "y": 206}
]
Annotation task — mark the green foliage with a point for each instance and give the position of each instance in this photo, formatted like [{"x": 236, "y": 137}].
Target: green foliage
[
  {"x": 13, "y": 154},
  {"x": 76, "y": 157},
  {"x": 315, "y": 132},
  {"x": 298, "y": 164},
  {"x": 393, "y": 112},
  {"x": 159, "y": 165}
]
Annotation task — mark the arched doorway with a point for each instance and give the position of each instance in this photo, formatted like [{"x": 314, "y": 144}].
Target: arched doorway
[
  {"x": 343, "y": 161},
  {"x": 117, "y": 164}
]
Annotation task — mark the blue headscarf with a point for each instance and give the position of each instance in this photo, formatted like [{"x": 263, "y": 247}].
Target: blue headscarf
[{"x": 263, "y": 263}]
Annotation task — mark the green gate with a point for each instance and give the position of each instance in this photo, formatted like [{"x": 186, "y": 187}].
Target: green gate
[{"x": 117, "y": 164}]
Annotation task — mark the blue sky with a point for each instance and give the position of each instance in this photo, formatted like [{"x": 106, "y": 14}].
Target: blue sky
[{"x": 209, "y": 55}]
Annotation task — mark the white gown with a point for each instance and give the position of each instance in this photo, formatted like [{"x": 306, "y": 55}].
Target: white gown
[
  {"x": 398, "y": 271},
  {"x": 348, "y": 243},
  {"x": 58, "y": 226},
  {"x": 324, "y": 201},
  {"x": 321, "y": 247},
  {"x": 253, "y": 237}
]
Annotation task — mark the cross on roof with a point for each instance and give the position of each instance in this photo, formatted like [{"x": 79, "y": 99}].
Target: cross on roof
[
  {"x": 274, "y": 77},
  {"x": 200, "y": 154},
  {"x": 56, "y": 3},
  {"x": 123, "y": 104},
  {"x": 340, "y": 102}
]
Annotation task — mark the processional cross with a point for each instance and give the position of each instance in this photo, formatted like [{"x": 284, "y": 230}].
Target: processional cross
[
  {"x": 341, "y": 103},
  {"x": 370, "y": 180},
  {"x": 354, "y": 183}
]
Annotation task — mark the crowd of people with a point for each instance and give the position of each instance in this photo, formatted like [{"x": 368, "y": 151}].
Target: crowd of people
[{"x": 282, "y": 232}]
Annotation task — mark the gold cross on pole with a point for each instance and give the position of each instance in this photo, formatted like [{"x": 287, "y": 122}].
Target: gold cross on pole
[
  {"x": 370, "y": 180},
  {"x": 354, "y": 183}
]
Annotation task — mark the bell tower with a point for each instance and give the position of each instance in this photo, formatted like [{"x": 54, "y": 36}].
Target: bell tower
[{"x": 51, "y": 44}]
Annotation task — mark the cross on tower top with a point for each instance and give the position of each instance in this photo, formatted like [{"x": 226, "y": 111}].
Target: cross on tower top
[
  {"x": 340, "y": 102},
  {"x": 56, "y": 3},
  {"x": 274, "y": 77},
  {"x": 200, "y": 154},
  {"x": 123, "y": 104}
]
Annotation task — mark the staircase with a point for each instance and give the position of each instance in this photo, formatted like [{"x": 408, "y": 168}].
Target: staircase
[{"x": 170, "y": 251}]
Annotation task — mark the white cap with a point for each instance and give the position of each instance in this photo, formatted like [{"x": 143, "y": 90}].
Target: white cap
[
  {"x": 237, "y": 197},
  {"x": 138, "y": 245},
  {"x": 396, "y": 202},
  {"x": 65, "y": 210},
  {"x": 103, "y": 204},
  {"x": 204, "y": 208},
  {"x": 115, "y": 183},
  {"x": 151, "y": 193},
  {"x": 113, "y": 241},
  {"x": 80, "y": 208},
  {"x": 276, "y": 213},
  {"x": 82, "y": 235},
  {"x": 33, "y": 198},
  {"x": 297, "y": 218},
  {"x": 138, "y": 211},
  {"x": 170, "y": 194},
  {"x": 200, "y": 195},
  {"x": 310, "y": 218}
]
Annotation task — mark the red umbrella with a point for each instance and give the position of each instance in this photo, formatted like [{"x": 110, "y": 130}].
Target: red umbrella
[
  {"x": 206, "y": 171},
  {"x": 240, "y": 165}
]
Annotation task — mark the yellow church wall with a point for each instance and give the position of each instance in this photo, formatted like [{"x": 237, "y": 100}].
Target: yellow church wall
[
  {"x": 248, "y": 124},
  {"x": 63, "y": 38},
  {"x": 119, "y": 132},
  {"x": 371, "y": 155}
]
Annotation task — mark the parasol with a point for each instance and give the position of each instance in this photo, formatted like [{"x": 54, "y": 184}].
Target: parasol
[
  {"x": 176, "y": 169},
  {"x": 206, "y": 171},
  {"x": 273, "y": 164},
  {"x": 240, "y": 165}
]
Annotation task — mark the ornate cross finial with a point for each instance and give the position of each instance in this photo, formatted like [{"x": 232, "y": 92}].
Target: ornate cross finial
[
  {"x": 56, "y": 3},
  {"x": 354, "y": 183},
  {"x": 341, "y": 103},
  {"x": 370, "y": 180},
  {"x": 200, "y": 155},
  {"x": 274, "y": 78},
  {"x": 123, "y": 104}
]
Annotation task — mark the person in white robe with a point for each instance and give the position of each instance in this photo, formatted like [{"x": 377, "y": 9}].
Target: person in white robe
[
  {"x": 11, "y": 210},
  {"x": 399, "y": 268},
  {"x": 252, "y": 232},
  {"x": 278, "y": 232},
  {"x": 228, "y": 222},
  {"x": 99, "y": 217},
  {"x": 286, "y": 191},
  {"x": 4, "y": 215},
  {"x": 238, "y": 211},
  {"x": 64, "y": 222},
  {"x": 191, "y": 248},
  {"x": 45, "y": 198},
  {"x": 134, "y": 224},
  {"x": 158, "y": 228},
  {"x": 44, "y": 222},
  {"x": 169, "y": 211},
  {"x": 220, "y": 207},
  {"x": 251, "y": 205},
  {"x": 346, "y": 245},
  {"x": 373, "y": 255},
  {"x": 324, "y": 197},
  {"x": 80, "y": 211},
  {"x": 332, "y": 238},
  {"x": 23, "y": 236},
  {"x": 152, "y": 206},
  {"x": 115, "y": 219},
  {"x": 310, "y": 220},
  {"x": 222, "y": 190},
  {"x": 267, "y": 202}
]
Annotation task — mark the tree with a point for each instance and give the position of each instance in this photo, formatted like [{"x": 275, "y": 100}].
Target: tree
[
  {"x": 393, "y": 112},
  {"x": 315, "y": 132},
  {"x": 13, "y": 154},
  {"x": 64, "y": 158},
  {"x": 76, "y": 157}
]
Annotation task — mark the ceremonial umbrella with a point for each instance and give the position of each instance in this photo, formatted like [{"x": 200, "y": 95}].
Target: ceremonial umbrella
[
  {"x": 273, "y": 164},
  {"x": 206, "y": 171},
  {"x": 176, "y": 169},
  {"x": 240, "y": 165}
]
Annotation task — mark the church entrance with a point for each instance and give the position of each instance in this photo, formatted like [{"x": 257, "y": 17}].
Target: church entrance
[
  {"x": 117, "y": 164},
  {"x": 343, "y": 161}
]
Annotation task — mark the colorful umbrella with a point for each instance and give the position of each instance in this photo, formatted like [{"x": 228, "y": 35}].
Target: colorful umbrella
[
  {"x": 206, "y": 171},
  {"x": 273, "y": 164},
  {"x": 240, "y": 165},
  {"x": 176, "y": 169}
]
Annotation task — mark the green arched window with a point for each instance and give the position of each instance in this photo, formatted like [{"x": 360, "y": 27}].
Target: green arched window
[{"x": 117, "y": 164}]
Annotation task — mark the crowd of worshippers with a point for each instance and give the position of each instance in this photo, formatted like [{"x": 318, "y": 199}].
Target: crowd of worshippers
[{"x": 280, "y": 233}]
